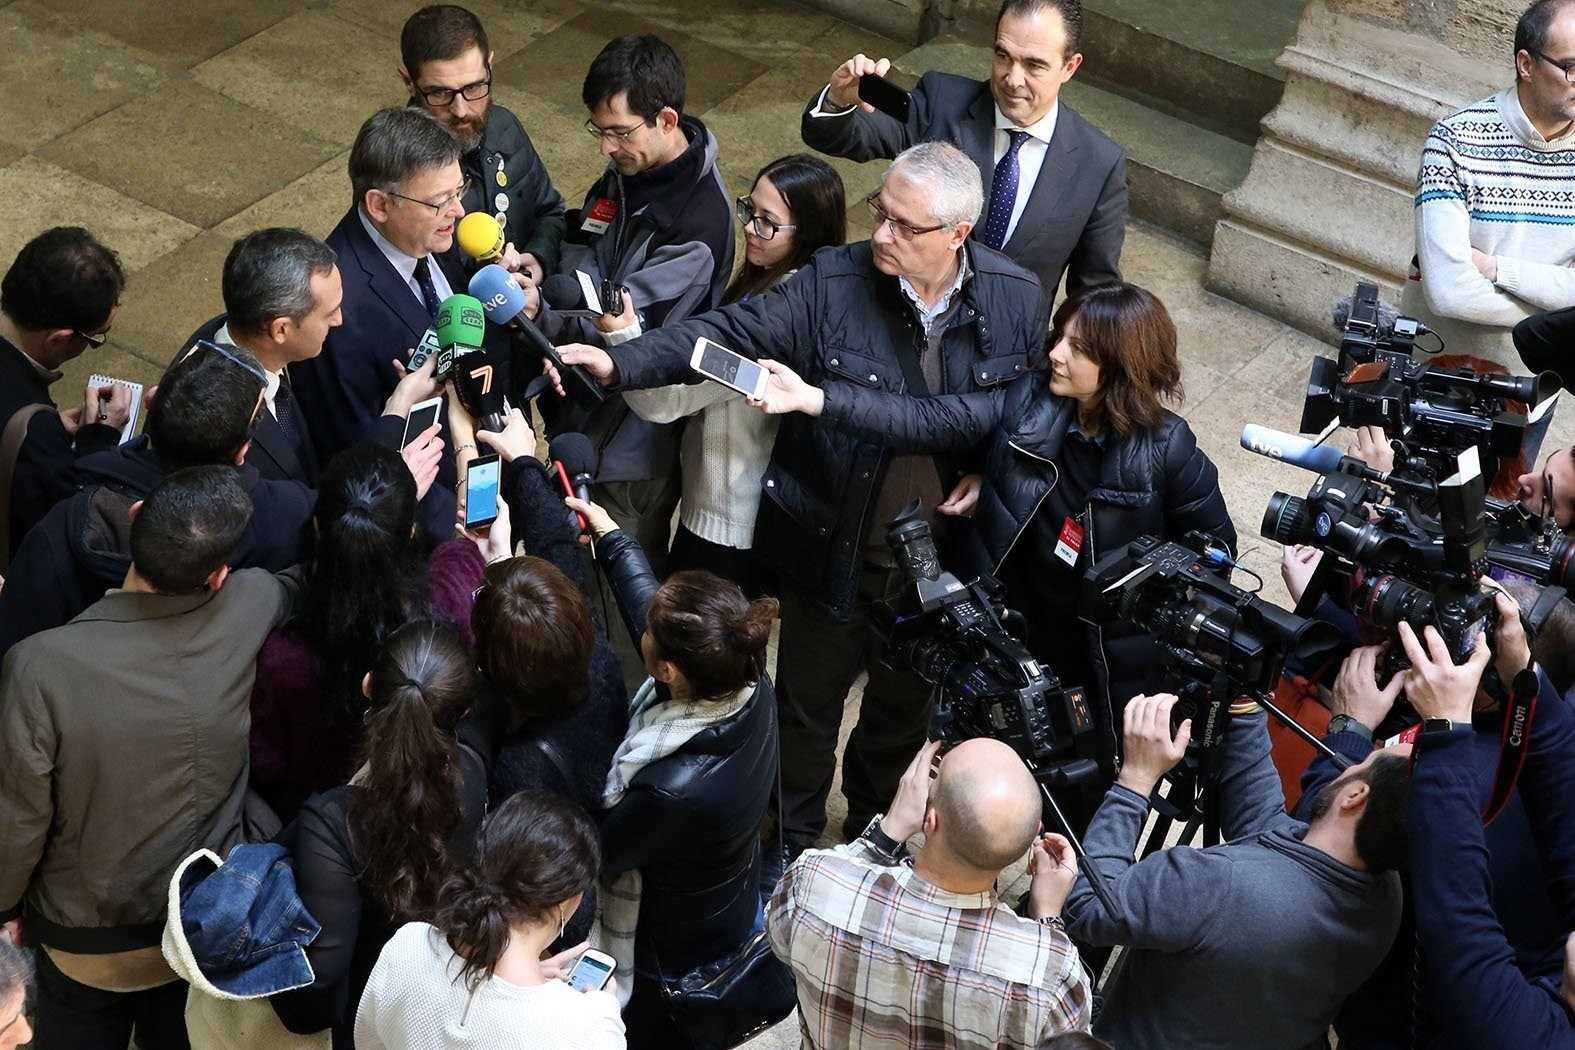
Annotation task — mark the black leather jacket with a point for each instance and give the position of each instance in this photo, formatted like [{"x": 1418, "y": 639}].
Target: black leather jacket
[
  {"x": 690, "y": 822},
  {"x": 1152, "y": 482},
  {"x": 839, "y": 318}
]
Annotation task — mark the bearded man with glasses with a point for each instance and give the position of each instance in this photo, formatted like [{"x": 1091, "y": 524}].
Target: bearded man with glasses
[
  {"x": 1495, "y": 198},
  {"x": 447, "y": 68},
  {"x": 920, "y": 309}
]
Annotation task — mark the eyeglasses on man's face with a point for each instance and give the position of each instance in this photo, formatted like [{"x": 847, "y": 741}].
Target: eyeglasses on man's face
[
  {"x": 903, "y": 231},
  {"x": 619, "y": 136},
  {"x": 756, "y": 223},
  {"x": 93, "y": 339},
  {"x": 439, "y": 97},
  {"x": 1563, "y": 65},
  {"x": 438, "y": 207}
]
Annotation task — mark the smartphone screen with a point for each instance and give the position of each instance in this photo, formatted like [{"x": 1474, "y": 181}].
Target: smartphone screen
[
  {"x": 481, "y": 491},
  {"x": 590, "y": 971},
  {"x": 422, "y": 416},
  {"x": 725, "y": 366}
]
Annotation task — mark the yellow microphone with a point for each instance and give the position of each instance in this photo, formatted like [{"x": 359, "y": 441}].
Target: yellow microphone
[{"x": 481, "y": 237}]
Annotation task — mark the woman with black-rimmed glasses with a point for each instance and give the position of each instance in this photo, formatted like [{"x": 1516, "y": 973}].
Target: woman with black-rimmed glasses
[{"x": 795, "y": 207}]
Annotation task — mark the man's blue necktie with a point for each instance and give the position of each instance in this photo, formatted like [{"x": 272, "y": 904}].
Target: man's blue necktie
[
  {"x": 429, "y": 295},
  {"x": 1003, "y": 193}
]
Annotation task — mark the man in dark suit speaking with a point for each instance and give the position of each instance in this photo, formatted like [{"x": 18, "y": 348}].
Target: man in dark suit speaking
[
  {"x": 395, "y": 265},
  {"x": 1058, "y": 187}
]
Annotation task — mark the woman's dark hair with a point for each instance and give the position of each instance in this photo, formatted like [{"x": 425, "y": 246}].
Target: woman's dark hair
[
  {"x": 406, "y": 804},
  {"x": 367, "y": 576},
  {"x": 813, "y": 191},
  {"x": 704, "y": 626},
  {"x": 534, "y": 636},
  {"x": 535, "y": 852},
  {"x": 1127, "y": 332}
]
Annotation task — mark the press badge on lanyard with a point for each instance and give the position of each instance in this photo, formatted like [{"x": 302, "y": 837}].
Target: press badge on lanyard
[
  {"x": 600, "y": 217},
  {"x": 1069, "y": 545}
]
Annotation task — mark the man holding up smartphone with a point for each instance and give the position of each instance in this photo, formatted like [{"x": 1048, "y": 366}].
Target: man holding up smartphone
[{"x": 1057, "y": 201}]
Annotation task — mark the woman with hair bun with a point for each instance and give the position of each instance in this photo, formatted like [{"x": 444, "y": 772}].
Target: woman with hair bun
[
  {"x": 376, "y": 853},
  {"x": 474, "y": 976},
  {"x": 689, "y": 786}
]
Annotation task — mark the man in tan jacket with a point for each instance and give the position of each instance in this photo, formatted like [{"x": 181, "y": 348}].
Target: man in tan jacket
[{"x": 123, "y": 749}]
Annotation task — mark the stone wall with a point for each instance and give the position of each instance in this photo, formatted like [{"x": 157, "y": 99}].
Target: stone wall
[{"x": 1328, "y": 200}]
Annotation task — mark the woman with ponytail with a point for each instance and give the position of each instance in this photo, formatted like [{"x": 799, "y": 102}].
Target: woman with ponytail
[
  {"x": 689, "y": 786},
  {"x": 375, "y": 854},
  {"x": 475, "y": 976},
  {"x": 367, "y": 578}
]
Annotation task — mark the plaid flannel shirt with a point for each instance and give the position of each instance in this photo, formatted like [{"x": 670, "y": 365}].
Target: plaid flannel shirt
[{"x": 883, "y": 959}]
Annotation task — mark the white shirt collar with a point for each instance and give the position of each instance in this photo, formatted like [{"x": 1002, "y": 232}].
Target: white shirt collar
[
  {"x": 274, "y": 378},
  {"x": 405, "y": 264},
  {"x": 1040, "y": 129},
  {"x": 928, "y": 314}
]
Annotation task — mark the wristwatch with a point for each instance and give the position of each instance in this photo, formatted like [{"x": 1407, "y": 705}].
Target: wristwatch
[
  {"x": 1344, "y": 723},
  {"x": 882, "y": 841},
  {"x": 1440, "y": 725}
]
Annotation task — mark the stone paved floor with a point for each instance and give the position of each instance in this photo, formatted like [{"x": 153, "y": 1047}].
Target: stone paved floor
[{"x": 171, "y": 128}]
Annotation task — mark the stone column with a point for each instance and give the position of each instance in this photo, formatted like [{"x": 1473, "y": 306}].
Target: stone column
[{"x": 1328, "y": 199}]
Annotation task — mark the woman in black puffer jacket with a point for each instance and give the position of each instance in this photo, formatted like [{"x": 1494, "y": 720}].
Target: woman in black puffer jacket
[
  {"x": 689, "y": 785},
  {"x": 1091, "y": 457}
]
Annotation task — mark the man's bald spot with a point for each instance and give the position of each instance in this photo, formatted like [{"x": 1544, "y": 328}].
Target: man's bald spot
[{"x": 987, "y": 802}]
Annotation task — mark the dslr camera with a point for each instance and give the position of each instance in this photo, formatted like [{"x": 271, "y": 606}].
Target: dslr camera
[
  {"x": 954, "y": 636},
  {"x": 1436, "y": 413}
]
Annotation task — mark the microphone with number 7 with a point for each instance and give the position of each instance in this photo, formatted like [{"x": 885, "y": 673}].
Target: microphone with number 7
[
  {"x": 504, "y": 303},
  {"x": 574, "y": 461},
  {"x": 479, "y": 379}
]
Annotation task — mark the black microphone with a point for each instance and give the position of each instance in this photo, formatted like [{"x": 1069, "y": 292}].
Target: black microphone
[
  {"x": 564, "y": 294},
  {"x": 574, "y": 454}
]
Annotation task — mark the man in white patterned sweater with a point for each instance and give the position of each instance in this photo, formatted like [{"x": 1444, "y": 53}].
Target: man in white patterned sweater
[{"x": 1495, "y": 198}]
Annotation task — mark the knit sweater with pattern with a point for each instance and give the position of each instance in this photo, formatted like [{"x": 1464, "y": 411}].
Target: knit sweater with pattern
[{"x": 1490, "y": 181}]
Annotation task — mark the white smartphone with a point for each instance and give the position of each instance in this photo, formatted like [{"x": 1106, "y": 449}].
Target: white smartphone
[
  {"x": 422, "y": 415},
  {"x": 715, "y": 361},
  {"x": 128, "y": 431},
  {"x": 592, "y": 970}
]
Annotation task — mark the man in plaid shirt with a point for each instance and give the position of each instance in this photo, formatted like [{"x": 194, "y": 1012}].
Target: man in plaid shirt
[{"x": 893, "y": 951}]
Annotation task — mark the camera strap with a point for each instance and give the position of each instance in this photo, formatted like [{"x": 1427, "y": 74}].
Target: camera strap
[{"x": 1513, "y": 743}]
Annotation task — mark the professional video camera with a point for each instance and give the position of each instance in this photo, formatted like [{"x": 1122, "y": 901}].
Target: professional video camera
[
  {"x": 1216, "y": 641},
  {"x": 1206, "y": 628},
  {"x": 1435, "y": 413},
  {"x": 953, "y": 636},
  {"x": 1384, "y": 567},
  {"x": 1528, "y": 546}
]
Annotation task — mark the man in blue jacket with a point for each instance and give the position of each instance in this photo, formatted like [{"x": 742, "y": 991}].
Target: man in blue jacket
[{"x": 1482, "y": 996}]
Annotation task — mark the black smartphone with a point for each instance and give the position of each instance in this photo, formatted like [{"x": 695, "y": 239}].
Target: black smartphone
[
  {"x": 481, "y": 491},
  {"x": 884, "y": 96}
]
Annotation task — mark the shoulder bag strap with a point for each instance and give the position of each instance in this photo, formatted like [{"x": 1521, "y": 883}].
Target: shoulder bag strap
[{"x": 10, "y": 448}]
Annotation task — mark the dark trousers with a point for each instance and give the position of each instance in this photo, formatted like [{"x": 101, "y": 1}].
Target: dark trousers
[
  {"x": 817, "y": 662},
  {"x": 72, "y": 1016},
  {"x": 731, "y": 563},
  {"x": 1546, "y": 343}
]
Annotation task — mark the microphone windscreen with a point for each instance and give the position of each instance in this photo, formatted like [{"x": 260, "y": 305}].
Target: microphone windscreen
[
  {"x": 575, "y": 452},
  {"x": 562, "y": 292},
  {"x": 501, "y": 298},
  {"x": 461, "y": 321},
  {"x": 1342, "y": 312},
  {"x": 1297, "y": 451},
  {"x": 480, "y": 236}
]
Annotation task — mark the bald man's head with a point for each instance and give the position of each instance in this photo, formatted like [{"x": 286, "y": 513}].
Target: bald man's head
[{"x": 986, "y": 804}]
